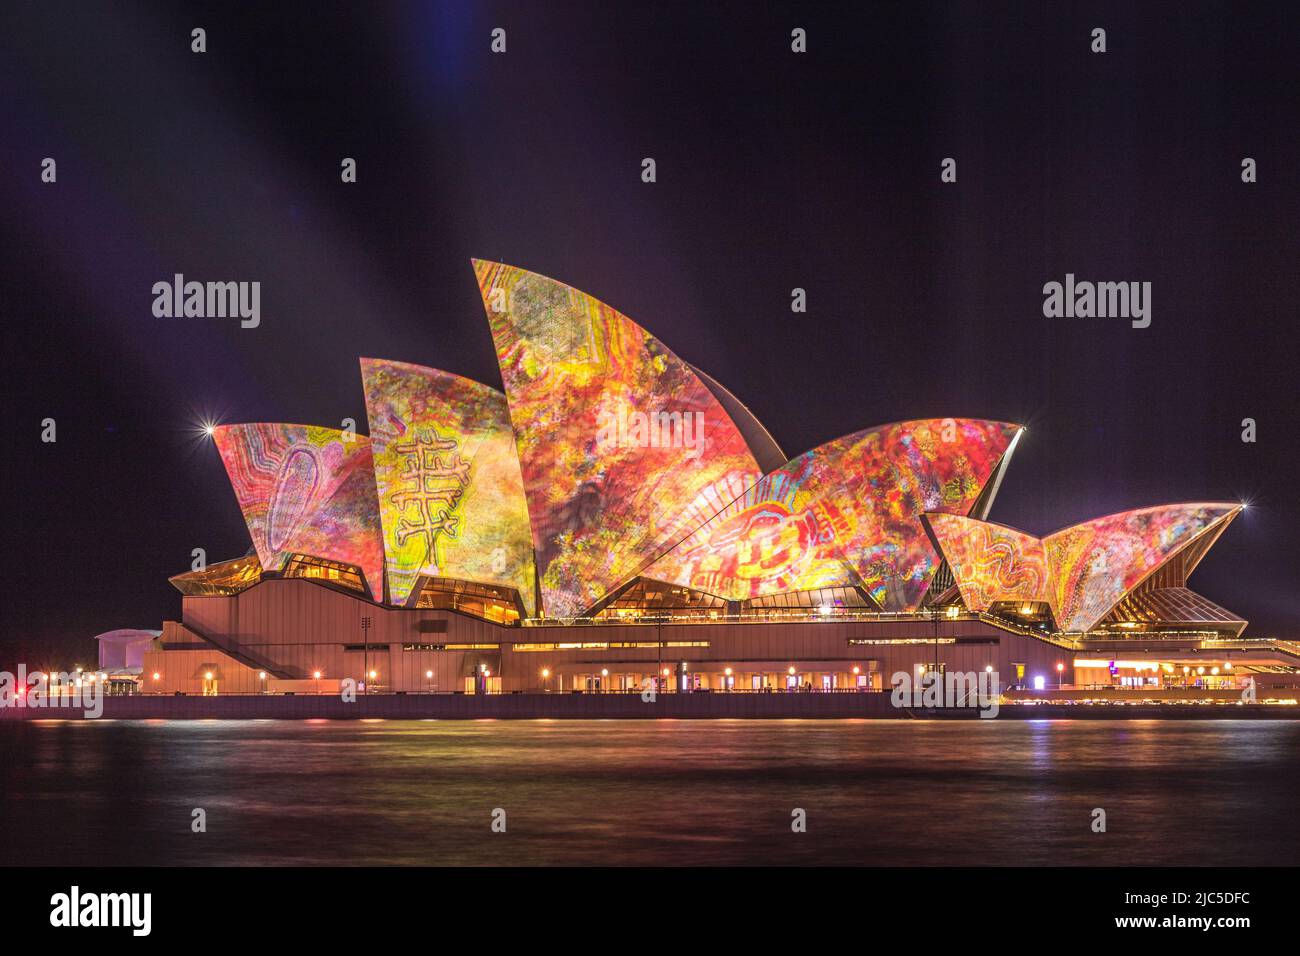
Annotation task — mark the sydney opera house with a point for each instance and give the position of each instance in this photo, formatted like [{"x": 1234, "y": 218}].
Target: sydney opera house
[{"x": 617, "y": 518}]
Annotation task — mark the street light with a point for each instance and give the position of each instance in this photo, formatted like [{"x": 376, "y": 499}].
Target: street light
[
  {"x": 365, "y": 654},
  {"x": 1060, "y": 674}
]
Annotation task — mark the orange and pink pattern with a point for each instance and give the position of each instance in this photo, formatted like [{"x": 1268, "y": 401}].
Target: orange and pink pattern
[
  {"x": 990, "y": 562},
  {"x": 307, "y": 490},
  {"x": 606, "y": 495},
  {"x": 845, "y": 513},
  {"x": 1082, "y": 571}
]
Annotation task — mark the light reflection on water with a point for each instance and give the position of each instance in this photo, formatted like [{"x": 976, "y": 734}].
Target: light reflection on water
[{"x": 652, "y": 792}]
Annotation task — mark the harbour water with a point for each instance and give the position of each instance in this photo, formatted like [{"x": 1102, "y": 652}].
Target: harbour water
[{"x": 666, "y": 792}]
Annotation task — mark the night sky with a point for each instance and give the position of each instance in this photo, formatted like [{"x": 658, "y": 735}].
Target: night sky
[{"x": 776, "y": 170}]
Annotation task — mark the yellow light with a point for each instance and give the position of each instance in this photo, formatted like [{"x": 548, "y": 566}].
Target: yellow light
[
  {"x": 953, "y": 611},
  {"x": 857, "y": 669},
  {"x": 665, "y": 672},
  {"x": 1214, "y": 671},
  {"x": 989, "y": 669},
  {"x": 727, "y": 671},
  {"x": 791, "y": 671},
  {"x": 429, "y": 674},
  {"x": 486, "y": 672},
  {"x": 1135, "y": 665},
  {"x": 546, "y": 672},
  {"x": 1026, "y": 609},
  {"x": 261, "y": 675},
  {"x": 316, "y": 674},
  {"x": 1227, "y": 665},
  {"x": 208, "y": 675},
  {"x": 604, "y": 672},
  {"x": 157, "y": 676},
  {"x": 374, "y": 674},
  {"x": 1200, "y": 670}
]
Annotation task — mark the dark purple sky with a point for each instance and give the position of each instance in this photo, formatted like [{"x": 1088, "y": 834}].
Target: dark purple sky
[{"x": 775, "y": 170}]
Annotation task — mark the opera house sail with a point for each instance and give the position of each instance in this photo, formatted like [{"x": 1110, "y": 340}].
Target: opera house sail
[{"x": 615, "y": 516}]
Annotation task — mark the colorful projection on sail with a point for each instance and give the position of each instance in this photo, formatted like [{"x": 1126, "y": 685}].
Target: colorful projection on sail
[
  {"x": 845, "y": 513},
  {"x": 618, "y": 439},
  {"x": 451, "y": 497},
  {"x": 305, "y": 489},
  {"x": 1082, "y": 571}
]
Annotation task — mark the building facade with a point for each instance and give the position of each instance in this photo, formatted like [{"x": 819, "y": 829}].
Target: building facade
[{"x": 617, "y": 520}]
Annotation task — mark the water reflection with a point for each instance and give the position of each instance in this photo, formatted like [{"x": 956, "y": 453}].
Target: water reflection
[{"x": 665, "y": 792}]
